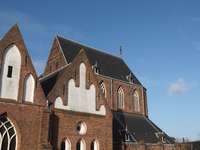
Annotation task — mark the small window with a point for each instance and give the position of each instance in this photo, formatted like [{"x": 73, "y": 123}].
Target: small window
[
  {"x": 10, "y": 68},
  {"x": 127, "y": 137},
  {"x": 97, "y": 71},
  {"x": 56, "y": 65},
  {"x": 103, "y": 88},
  {"x": 50, "y": 68}
]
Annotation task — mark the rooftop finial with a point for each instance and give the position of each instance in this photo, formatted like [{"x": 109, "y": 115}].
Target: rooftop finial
[{"x": 120, "y": 50}]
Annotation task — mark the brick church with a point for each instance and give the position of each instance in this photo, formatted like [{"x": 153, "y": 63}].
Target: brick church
[{"x": 86, "y": 99}]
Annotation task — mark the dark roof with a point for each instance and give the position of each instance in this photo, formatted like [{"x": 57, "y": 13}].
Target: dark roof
[
  {"x": 140, "y": 128},
  {"x": 49, "y": 81},
  {"x": 109, "y": 65}
]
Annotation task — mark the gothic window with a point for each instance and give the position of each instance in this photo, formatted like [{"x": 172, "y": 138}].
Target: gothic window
[
  {"x": 8, "y": 136},
  {"x": 103, "y": 88},
  {"x": 95, "y": 145},
  {"x": 10, "y": 73},
  {"x": 136, "y": 101},
  {"x": 120, "y": 98},
  {"x": 80, "y": 145},
  {"x": 29, "y": 84},
  {"x": 65, "y": 145}
]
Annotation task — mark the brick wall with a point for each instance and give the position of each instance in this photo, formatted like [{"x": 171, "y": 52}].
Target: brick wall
[
  {"x": 56, "y": 58},
  {"x": 64, "y": 121}
]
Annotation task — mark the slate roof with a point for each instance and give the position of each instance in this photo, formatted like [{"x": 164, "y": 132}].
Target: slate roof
[
  {"x": 49, "y": 81},
  {"x": 140, "y": 128},
  {"x": 110, "y": 65}
]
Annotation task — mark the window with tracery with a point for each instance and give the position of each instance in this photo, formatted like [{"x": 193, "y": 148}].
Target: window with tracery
[
  {"x": 103, "y": 88},
  {"x": 120, "y": 98},
  {"x": 136, "y": 101},
  {"x": 8, "y": 135}
]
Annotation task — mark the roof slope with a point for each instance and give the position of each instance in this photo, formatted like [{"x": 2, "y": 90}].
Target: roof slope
[
  {"x": 109, "y": 65},
  {"x": 140, "y": 127},
  {"x": 49, "y": 81}
]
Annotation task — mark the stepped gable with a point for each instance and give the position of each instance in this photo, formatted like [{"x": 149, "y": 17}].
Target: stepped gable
[
  {"x": 140, "y": 128},
  {"x": 109, "y": 65}
]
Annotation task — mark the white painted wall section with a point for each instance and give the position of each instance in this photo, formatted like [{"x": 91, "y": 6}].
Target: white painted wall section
[
  {"x": 9, "y": 85},
  {"x": 79, "y": 98},
  {"x": 29, "y": 84}
]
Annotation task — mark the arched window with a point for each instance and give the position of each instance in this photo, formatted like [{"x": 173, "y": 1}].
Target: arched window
[
  {"x": 136, "y": 101},
  {"x": 65, "y": 144},
  {"x": 103, "y": 88},
  {"x": 120, "y": 98},
  {"x": 29, "y": 84},
  {"x": 95, "y": 145},
  {"x": 10, "y": 73},
  {"x": 81, "y": 145},
  {"x": 8, "y": 136}
]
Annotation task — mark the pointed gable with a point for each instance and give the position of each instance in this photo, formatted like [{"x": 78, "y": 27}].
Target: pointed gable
[
  {"x": 56, "y": 59},
  {"x": 13, "y": 42},
  {"x": 78, "y": 77}
]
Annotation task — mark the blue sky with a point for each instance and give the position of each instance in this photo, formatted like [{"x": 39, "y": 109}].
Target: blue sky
[{"x": 160, "y": 43}]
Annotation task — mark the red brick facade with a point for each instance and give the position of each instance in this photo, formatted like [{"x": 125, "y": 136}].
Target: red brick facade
[{"x": 42, "y": 127}]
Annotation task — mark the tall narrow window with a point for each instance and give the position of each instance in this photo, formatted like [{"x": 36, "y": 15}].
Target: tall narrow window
[
  {"x": 103, "y": 88},
  {"x": 136, "y": 101},
  {"x": 65, "y": 144},
  {"x": 81, "y": 145},
  {"x": 95, "y": 145},
  {"x": 50, "y": 68},
  {"x": 56, "y": 65},
  {"x": 63, "y": 89},
  {"x": 120, "y": 98},
  {"x": 26, "y": 60},
  {"x": 29, "y": 83},
  {"x": 10, "y": 68},
  {"x": 8, "y": 137},
  {"x": 78, "y": 146}
]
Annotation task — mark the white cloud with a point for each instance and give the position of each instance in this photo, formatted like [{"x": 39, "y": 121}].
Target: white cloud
[
  {"x": 196, "y": 45},
  {"x": 180, "y": 87},
  {"x": 196, "y": 19}
]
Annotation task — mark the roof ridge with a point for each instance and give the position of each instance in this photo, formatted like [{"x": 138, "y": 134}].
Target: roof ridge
[{"x": 89, "y": 47}]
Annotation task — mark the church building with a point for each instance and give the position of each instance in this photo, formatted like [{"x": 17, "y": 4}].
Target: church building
[{"x": 86, "y": 99}]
